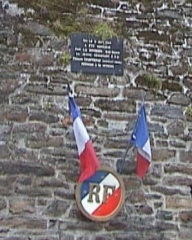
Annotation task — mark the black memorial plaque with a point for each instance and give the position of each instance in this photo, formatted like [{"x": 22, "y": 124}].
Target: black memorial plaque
[{"x": 90, "y": 54}]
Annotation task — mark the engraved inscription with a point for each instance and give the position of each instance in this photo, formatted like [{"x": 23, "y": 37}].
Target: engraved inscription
[{"x": 93, "y": 55}]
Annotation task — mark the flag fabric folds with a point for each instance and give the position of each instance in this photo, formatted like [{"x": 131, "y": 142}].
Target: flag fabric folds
[
  {"x": 140, "y": 138},
  {"x": 89, "y": 162}
]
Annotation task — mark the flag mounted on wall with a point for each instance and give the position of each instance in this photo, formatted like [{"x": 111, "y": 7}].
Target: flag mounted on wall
[
  {"x": 140, "y": 138},
  {"x": 89, "y": 162}
]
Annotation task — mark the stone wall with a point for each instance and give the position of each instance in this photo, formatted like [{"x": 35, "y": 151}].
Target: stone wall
[{"x": 38, "y": 156}]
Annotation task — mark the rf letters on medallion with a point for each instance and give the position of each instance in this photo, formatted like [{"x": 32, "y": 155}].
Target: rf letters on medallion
[
  {"x": 90, "y": 54},
  {"x": 101, "y": 197}
]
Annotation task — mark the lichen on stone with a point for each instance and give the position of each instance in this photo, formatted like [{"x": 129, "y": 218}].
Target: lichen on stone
[
  {"x": 67, "y": 17},
  {"x": 149, "y": 80},
  {"x": 104, "y": 31},
  {"x": 188, "y": 113}
]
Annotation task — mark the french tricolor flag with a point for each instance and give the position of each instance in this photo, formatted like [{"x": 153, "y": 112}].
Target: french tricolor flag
[
  {"x": 140, "y": 138},
  {"x": 89, "y": 162}
]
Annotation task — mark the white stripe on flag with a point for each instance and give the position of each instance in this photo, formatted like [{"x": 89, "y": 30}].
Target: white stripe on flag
[
  {"x": 81, "y": 135},
  {"x": 147, "y": 149},
  {"x": 110, "y": 180}
]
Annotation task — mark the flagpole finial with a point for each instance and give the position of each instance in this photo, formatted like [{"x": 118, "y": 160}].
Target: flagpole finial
[
  {"x": 143, "y": 94},
  {"x": 69, "y": 90}
]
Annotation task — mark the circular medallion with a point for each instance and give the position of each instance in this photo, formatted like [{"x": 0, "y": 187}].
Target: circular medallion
[{"x": 101, "y": 196}]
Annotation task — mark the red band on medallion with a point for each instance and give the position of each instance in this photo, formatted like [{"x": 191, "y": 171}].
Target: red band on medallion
[{"x": 110, "y": 204}]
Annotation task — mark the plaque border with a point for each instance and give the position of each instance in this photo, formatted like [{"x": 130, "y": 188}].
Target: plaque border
[{"x": 116, "y": 210}]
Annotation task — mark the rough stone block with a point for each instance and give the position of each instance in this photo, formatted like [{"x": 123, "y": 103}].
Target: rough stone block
[
  {"x": 162, "y": 154},
  {"x": 97, "y": 91},
  {"x": 185, "y": 233},
  {"x": 4, "y": 151},
  {"x": 176, "y": 128},
  {"x": 118, "y": 105},
  {"x": 178, "y": 202},
  {"x": 39, "y": 141},
  {"x": 23, "y": 223},
  {"x": 51, "y": 182},
  {"x": 167, "y": 111},
  {"x": 165, "y": 215},
  {"x": 185, "y": 156},
  {"x": 3, "y": 204},
  {"x": 135, "y": 196},
  {"x": 33, "y": 192},
  {"x": 21, "y": 205},
  {"x": 179, "y": 99},
  {"x": 18, "y": 114},
  {"x": 186, "y": 216},
  {"x": 43, "y": 117},
  {"x": 177, "y": 168},
  {"x": 13, "y": 168},
  {"x": 176, "y": 181},
  {"x": 169, "y": 190},
  {"x": 29, "y": 128},
  {"x": 56, "y": 208}
]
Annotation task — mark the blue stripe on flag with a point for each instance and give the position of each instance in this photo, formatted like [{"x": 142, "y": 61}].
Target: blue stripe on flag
[
  {"x": 96, "y": 178},
  {"x": 140, "y": 133},
  {"x": 74, "y": 110}
]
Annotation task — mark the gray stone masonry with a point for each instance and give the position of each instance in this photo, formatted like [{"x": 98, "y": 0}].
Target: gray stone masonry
[{"x": 38, "y": 157}]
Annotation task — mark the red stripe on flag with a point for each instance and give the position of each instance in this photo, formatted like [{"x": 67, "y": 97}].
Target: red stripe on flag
[
  {"x": 142, "y": 165},
  {"x": 89, "y": 162},
  {"x": 110, "y": 205}
]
